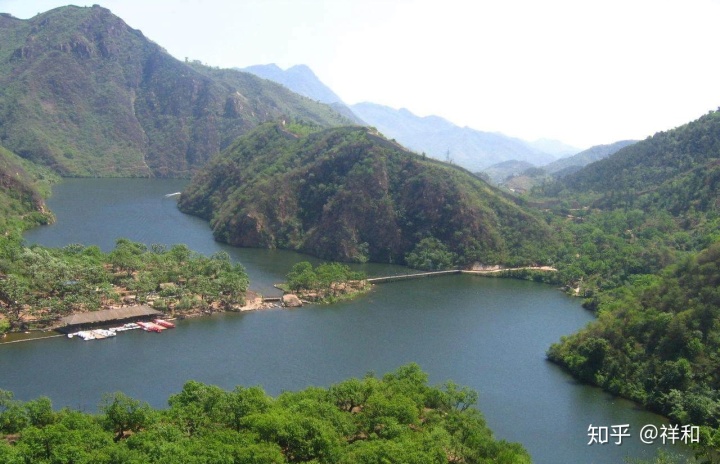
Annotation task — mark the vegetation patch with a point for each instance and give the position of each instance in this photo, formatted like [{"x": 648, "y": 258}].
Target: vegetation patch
[
  {"x": 398, "y": 418},
  {"x": 39, "y": 285},
  {"x": 326, "y": 283}
]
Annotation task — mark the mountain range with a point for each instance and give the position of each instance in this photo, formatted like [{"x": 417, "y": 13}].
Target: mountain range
[
  {"x": 438, "y": 138},
  {"x": 519, "y": 176},
  {"x": 87, "y": 95}
]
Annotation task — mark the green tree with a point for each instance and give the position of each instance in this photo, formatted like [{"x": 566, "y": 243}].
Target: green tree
[
  {"x": 124, "y": 414},
  {"x": 302, "y": 277},
  {"x": 431, "y": 254}
]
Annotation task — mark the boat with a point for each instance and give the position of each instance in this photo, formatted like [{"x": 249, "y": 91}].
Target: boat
[
  {"x": 124, "y": 327},
  {"x": 157, "y": 327},
  {"x": 164, "y": 323},
  {"x": 85, "y": 335},
  {"x": 103, "y": 333},
  {"x": 150, "y": 327},
  {"x": 97, "y": 335}
]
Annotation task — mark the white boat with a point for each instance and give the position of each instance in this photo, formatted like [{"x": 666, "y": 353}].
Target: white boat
[
  {"x": 103, "y": 333},
  {"x": 85, "y": 335}
]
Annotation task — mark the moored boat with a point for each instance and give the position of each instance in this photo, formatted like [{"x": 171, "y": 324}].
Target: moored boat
[
  {"x": 164, "y": 323},
  {"x": 85, "y": 335},
  {"x": 103, "y": 333},
  {"x": 150, "y": 327}
]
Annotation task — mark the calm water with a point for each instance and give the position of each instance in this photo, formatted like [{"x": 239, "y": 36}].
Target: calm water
[{"x": 489, "y": 334}]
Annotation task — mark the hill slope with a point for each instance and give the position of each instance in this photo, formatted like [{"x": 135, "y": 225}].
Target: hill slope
[
  {"x": 22, "y": 188},
  {"x": 647, "y": 253},
  {"x": 349, "y": 194},
  {"x": 576, "y": 162},
  {"x": 472, "y": 149},
  {"x": 83, "y": 93},
  {"x": 652, "y": 162}
]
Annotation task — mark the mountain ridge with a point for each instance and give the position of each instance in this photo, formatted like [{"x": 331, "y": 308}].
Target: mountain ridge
[
  {"x": 350, "y": 194},
  {"x": 433, "y": 135},
  {"x": 441, "y": 139},
  {"x": 75, "y": 82}
]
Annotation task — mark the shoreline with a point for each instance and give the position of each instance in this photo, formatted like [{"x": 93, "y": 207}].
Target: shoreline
[{"x": 254, "y": 302}]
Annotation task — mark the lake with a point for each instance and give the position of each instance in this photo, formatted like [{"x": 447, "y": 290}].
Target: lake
[{"x": 489, "y": 334}]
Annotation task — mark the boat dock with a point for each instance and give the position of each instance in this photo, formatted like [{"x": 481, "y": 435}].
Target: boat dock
[{"x": 106, "y": 316}]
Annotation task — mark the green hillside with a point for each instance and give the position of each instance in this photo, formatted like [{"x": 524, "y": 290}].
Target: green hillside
[
  {"x": 87, "y": 95},
  {"x": 565, "y": 166},
  {"x": 658, "y": 341},
  {"x": 642, "y": 208},
  {"x": 642, "y": 244},
  {"x": 23, "y": 187},
  {"x": 350, "y": 194},
  {"x": 643, "y": 167}
]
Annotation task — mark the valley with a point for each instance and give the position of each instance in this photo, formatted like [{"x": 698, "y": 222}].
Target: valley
[{"x": 269, "y": 178}]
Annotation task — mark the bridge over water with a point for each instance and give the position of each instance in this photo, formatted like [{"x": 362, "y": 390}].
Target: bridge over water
[{"x": 420, "y": 275}]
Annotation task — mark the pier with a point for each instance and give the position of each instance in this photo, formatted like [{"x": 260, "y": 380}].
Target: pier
[{"x": 420, "y": 275}]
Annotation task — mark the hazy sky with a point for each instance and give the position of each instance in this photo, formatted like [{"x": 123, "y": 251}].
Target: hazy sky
[{"x": 584, "y": 72}]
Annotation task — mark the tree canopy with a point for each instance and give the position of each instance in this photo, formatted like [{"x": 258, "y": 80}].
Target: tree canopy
[{"x": 398, "y": 418}]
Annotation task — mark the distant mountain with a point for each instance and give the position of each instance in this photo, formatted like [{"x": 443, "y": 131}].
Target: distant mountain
[
  {"x": 349, "y": 194},
  {"x": 592, "y": 154},
  {"x": 500, "y": 171},
  {"x": 677, "y": 169},
  {"x": 83, "y": 93},
  {"x": 472, "y": 149},
  {"x": 301, "y": 79},
  {"x": 553, "y": 147},
  {"x": 516, "y": 178},
  {"x": 433, "y": 135}
]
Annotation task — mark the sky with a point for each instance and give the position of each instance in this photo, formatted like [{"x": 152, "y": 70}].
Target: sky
[{"x": 583, "y": 72}]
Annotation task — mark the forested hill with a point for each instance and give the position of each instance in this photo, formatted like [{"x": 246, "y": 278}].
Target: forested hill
[
  {"x": 646, "y": 252},
  {"x": 565, "y": 166},
  {"x": 22, "y": 188},
  {"x": 84, "y": 93},
  {"x": 665, "y": 158},
  {"x": 350, "y": 194}
]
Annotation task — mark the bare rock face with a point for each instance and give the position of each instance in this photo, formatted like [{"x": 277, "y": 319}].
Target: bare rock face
[{"x": 291, "y": 301}]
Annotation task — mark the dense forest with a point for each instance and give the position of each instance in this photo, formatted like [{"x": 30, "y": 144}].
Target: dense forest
[
  {"x": 641, "y": 244},
  {"x": 349, "y": 194},
  {"x": 398, "y": 418}
]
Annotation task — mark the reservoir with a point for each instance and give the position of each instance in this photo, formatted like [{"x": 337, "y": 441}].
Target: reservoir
[{"x": 489, "y": 334}]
